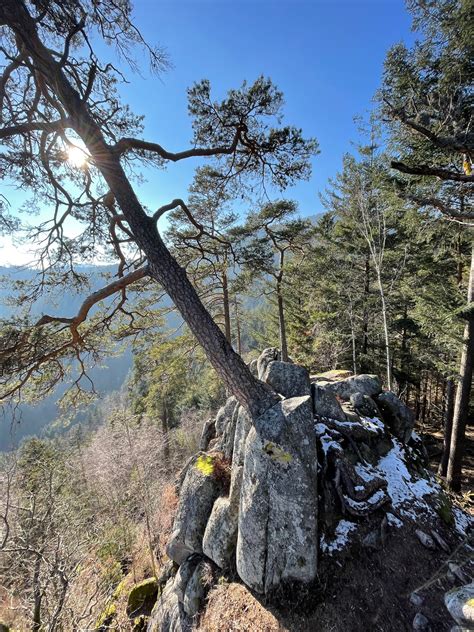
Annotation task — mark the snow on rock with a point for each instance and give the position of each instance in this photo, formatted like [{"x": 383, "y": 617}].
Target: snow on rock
[
  {"x": 407, "y": 493},
  {"x": 327, "y": 442},
  {"x": 393, "y": 521},
  {"x": 341, "y": 537},
  {"x": 373, "y": 423},
  {"x": 462, "y": 521}
]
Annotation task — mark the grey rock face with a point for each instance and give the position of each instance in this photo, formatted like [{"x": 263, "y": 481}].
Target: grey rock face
[
  {"x": 180, "y": 599},
  {"x": 268, "y": 355},
  {"x": 460, "y": 604},
  {"x": 242, "y": 428},
  {"x": 208, "y": 433},
  {"x": 399, "y": 418},
  {"x": 364, "y": 405},
  {"x": 225, "y": 426},
  {"x": 290, "y": 380},
  {"x": 220, "y": 537},
  {"x": 196, "y": 499},
  {"x": 194, "y": 591},
  {"x": 325, "y": 403},
  {"x": 253, "y": 368},
  {"x": 365, "y": 384},
  {"x": 277, "y": 527},
  {"x": 168, "y": 614}
]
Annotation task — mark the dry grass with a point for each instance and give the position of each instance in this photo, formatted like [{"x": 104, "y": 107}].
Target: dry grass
[{"x": 232, "y": 607}]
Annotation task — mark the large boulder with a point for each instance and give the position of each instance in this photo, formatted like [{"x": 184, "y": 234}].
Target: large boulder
[
  {"x": 196, "y": 499},
  {"x": 366, "y": 384},
  {"x": 364, "y": 405},
  {"x": 207, "y": 435},
  {"x": 460, "y": 604},
  {"x": 195, "y": 589},
  {"x": 179, "y": 600},
  {"x": 290, "y": 380},
  {"x": 277, "y": 528},
  {"x": 399, "y": 418},
  {"x": 242, "y": 428},
  {"x": 325, "y": 403}
]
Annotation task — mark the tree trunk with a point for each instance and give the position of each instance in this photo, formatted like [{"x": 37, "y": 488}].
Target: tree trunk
[
  {"x": 448, "y": 425},
  {"x": 38, "y": 596},
  {"x": 237, "y": 326},
  {"x": 281, "y": 325},
  {"x": 281, "y": 310},
  {"x": 365, "y": 327},
  {"x": 385, "y": 330},
  {"x": 165, "y": 428},
  {"x": 253, "y": 394},
  {"x": 463, "y": 392},
  {"x": 226, "y": 306}
]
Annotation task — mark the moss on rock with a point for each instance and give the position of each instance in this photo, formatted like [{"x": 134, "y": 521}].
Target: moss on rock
[{"x": 142, "y": 595}]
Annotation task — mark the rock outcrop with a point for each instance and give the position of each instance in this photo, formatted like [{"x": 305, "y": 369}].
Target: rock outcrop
[{"x": 334, "y": 445}]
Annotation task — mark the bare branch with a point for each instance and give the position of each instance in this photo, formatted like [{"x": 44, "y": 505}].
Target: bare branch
[
  {"x": 93, "y": 299},
  {"x": 426, "y": 170},
  {"x": 129, "y": 144}
]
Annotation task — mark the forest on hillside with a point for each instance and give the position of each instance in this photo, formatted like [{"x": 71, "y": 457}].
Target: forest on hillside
[{"x": 365, "y": 308}]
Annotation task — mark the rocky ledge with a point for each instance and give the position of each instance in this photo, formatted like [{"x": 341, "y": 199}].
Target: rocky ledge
[{"x": 334, "y": 464}]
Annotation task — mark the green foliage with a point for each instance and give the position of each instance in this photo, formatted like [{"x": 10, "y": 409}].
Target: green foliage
[{"x": 171, "y": 375}]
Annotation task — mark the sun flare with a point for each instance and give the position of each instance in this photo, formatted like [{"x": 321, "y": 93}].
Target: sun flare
[{"x": 76, "y": 156}]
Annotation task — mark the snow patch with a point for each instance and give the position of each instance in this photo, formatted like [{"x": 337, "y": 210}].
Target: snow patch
[
  {"x": 373, "y": 423},
  {"x": 341, "y": 537},
  {"x": 393, "y": 521},
  {"x": 462, "y": 521},
  {"x": 407, "y": 494}
]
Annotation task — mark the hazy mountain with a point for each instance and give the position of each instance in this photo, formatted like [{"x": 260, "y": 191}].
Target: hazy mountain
[{"x": 37, "y": 419}]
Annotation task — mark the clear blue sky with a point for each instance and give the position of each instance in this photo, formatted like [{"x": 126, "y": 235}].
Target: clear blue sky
[{"x": 326, "y": 56}]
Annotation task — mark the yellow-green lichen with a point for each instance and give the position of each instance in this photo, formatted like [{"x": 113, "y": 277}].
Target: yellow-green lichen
[{"x": 277, "y": 454}]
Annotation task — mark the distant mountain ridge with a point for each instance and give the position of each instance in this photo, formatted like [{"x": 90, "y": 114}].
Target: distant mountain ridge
[{"x": 37, "y": 419}]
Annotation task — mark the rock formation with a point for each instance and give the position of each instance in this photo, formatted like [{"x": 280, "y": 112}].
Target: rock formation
[{"x": 336, "y": 460}]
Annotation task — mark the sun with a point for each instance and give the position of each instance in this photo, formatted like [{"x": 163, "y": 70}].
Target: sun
[{"x": 76, "y": 156}]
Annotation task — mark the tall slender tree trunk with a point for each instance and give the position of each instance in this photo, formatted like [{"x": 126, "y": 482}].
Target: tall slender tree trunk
[
  {"x": 448, "y": 425},
  {"x": 281, "y": 309},
  {"x": 237, "y": 325},
  {"x": 253, "y": 394},
  {"x": 463, "y": 392},
  {"x": 38, "y": 595},
  {"x": 365, "y": 317},
  {"x": 388, "y": 358},
  {"x": 353, "y": 340},
  {"x": 165, "y": 426},
  {"x": 226, "y": 306},
  {"x": 281, "y": 320}
]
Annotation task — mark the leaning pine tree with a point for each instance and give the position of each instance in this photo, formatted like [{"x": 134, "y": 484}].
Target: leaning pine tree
[{"x": 56, "y": 93}]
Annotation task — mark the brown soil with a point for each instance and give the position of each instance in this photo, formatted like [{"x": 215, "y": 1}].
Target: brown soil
[{"x": 367, "y": 591}]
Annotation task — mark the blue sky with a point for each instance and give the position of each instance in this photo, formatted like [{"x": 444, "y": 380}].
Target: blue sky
[{"x": 326, "y": 57}]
